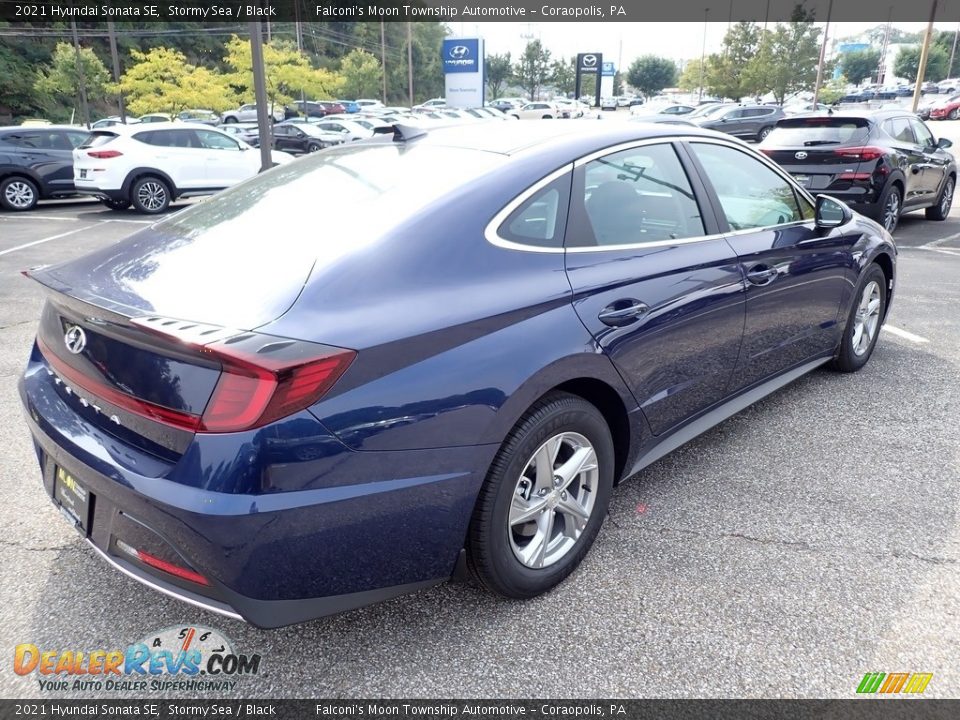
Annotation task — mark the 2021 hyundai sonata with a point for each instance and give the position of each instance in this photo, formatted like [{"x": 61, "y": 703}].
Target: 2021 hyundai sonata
[{"x": 282, "y": 426}]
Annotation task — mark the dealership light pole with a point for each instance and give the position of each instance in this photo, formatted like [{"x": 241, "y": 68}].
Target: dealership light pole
[
  {"x": 81, "y": 77},
  {"x": 383, "y": 58},
  {"x": 260, "y": 95},
  {"x": 823, "y": 55},
  {"x": 881, "y": 69},
  {"x": 924, "y": 54},
  {"x": 410, "y": 62},
  {"x": 953, "y": 51},
  {"x": 703, "y": 52}
]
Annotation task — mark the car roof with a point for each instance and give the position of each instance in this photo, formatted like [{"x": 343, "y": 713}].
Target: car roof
[
  {"x": 514, "y": 137},
  {"x": 34, "y": 128}
]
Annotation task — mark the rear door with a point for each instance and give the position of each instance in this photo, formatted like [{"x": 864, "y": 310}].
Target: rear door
[
  {"x": 179, "y": 154},
  {"x": 660, "y": 291},
  {"x": 910, "y": 158},
  {"x": 796, "y": 274}
]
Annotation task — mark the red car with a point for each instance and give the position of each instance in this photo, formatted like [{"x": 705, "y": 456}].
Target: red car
[{"x": 948, "y": 109}]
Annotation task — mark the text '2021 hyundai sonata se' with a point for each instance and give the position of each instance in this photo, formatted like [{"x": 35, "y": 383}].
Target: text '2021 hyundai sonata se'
[{"x": 282, "y": 426}]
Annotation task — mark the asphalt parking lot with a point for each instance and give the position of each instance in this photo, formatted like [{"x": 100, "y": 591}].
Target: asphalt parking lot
[{"x": 806, "y": 541}]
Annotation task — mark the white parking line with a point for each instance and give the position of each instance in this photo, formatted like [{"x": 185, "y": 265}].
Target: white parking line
[
  {"x": 47, "y": 239},
  {"x": 904, "y": 334}
]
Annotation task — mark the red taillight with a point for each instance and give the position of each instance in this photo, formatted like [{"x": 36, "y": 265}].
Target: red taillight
[
  {"x": 766, "y": 151},
  {"x": 167, "y": 567},
  {"x": 853, "y": 176},
  {"x": 104, "y": 154},
  {"x": 252, "y": 392},
  {"x": 865, "y": 153}
]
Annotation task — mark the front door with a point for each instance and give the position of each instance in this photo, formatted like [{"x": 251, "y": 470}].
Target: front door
[{"x": 658, "y": 289}]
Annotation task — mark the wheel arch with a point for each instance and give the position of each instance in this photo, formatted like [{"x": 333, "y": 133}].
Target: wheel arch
[
  {"x": 10, "y": 171},
  {"x": 140, "y": 172},
  {"x": 885, "y": 262}
]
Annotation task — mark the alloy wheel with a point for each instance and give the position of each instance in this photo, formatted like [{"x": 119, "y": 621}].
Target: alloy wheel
[
  {"x": 19, "y": 195},
  {"x": 553, "y": 500},
  {"x": 152, "y": 195},
  {"x": 947, "y": 200},
  {"x": 891, "y": 211},
  {"x": 866, "y": 322}
]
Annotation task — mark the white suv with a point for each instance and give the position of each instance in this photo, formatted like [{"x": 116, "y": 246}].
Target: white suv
[
  {"x": 248, "y": 113},
  {"x": 149, "y": 166}
]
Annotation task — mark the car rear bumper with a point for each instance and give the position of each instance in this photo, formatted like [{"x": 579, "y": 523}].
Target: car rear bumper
[{"x": 360, "y": 527}]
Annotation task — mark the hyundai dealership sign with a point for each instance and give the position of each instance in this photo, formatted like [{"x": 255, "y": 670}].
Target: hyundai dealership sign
[{"x": 463, "y": 71}]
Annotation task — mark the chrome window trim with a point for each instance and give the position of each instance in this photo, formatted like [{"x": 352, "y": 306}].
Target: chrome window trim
[{"x": 490, "y": 232}]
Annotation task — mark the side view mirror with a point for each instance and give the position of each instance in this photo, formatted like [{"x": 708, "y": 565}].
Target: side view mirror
[
  {"x": 831, "y": 213},
  {"x": 943, "y": 143}
]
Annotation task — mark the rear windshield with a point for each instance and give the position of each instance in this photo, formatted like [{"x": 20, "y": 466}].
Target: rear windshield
[
  {"x": 814, "y": 131},
  {"x": 96, "y": 139},
  {"x": 264, "y": 236}
]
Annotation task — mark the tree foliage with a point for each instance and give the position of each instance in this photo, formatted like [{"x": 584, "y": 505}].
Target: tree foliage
[
  {"x": 787, "y": 57},
  {"x": 859, "y": 65},
  {"x": 692, "y": 76},
  {"x": 161, "y": 80},
  {"x": 563, "y": 75},
  {"x": 908, "y": 63},
  {"x": 727, "y": 72},
  {"x": 499, "y": 70},
  {"x": 361, "y": 75},
  {"x": 532, "y": 70},
  {"x": 60, "y": 77},
  {"x": 650, "y": 74}
]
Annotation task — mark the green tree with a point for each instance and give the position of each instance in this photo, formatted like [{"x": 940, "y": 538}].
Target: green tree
[
  {"x": 61, "y": 80},
  {"x": 726, "y": 71},
  {"x": 533, "y": 68},
  {"x": 563, "y": 75},
  {"x": 693, "y": 74},
  {"x": 651, "y": 74},
  {"x": 499, "y": 70},
  {"x": 361, "y": 74},
  {"x": 288, "y": 72},
  {"x": 908, "y": 63},
  {"x": 833, "y": 90},
  {"x": 787, "y": 58},
  {"x": 161, "y": 80},
  {"x": 859, "y": 65}
]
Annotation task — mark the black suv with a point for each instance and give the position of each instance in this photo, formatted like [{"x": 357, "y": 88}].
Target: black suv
[
  {"x": 36, "y": 163},
  {"x": 750, "y": 122},
  {"x": 881, "y": 163}
]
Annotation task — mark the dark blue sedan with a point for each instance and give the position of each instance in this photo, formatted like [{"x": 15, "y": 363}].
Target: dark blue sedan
[{"x": 277, "y": 423}]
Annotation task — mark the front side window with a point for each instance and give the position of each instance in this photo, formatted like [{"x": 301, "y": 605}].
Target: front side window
[
  {"x": 922, "y": 133},
  {"x": 751, "y": 194},
  {"x": 216, "y": 141},
  {"x": 636, "y": 196}
]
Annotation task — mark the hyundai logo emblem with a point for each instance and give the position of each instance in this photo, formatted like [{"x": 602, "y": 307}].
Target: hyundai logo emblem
[
  {"x": 75, "y": 339},
  {"x": 459, "y": 52},
  {"x": 801, "y": 155},
  {"x": 589, "y": 60}
]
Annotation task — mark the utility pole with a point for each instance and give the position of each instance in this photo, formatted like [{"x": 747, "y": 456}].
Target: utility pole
[
  {"x": 299, "y": 33},
  {"x": 111, "y": 31},
  {"x": 383, "y": 58},
  {"x": 881, "y": 70},
  {"x": 924, "y": 53},
  {"x": 264, "y": 118},
  {"x": 953, "y": 51},
  {"x": 410, "y": 62},
  {"x": 81, "y": 77},
  {"x": 823, "y": 55}
]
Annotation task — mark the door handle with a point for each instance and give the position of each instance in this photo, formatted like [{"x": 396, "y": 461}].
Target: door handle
[
  {"x": 762, "y": 274},
  {"x": 623, "y": 312}
]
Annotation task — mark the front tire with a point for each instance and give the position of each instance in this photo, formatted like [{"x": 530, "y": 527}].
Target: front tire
[
  {"x": 954, "y": 114},
  {"x": 864, "y": 321},
  {"x": 941, "y": 210},
  {"x": 313, "y": 147},
  {"x": 544, "y": 498},
  {"x": 18, "y": 194},
  {"x": 150, "y": 195}
]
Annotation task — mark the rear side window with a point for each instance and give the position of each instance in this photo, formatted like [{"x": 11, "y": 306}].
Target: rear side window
[
  {"x": 899, "y": 129},
  {"x": 815, "y": 131},
  {"x": 636, "y": 196},
  {"x": 540, "y": 220},
  {"x": 98, "y": 138}
]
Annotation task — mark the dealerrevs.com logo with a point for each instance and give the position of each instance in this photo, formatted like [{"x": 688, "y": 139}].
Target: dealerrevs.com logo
[{"x": 190, "y": 658}]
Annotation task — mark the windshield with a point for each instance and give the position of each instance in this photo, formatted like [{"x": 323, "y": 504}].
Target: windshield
[
  {"x": 707, "y": 110},
  {"x": 814, "y": 131},
  {"x": 261, "y": 265}
]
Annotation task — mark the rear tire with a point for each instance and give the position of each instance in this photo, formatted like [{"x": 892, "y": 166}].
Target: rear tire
[
  {"x": 544, "y": 498},
  {"x": 761, "y": 136},
  {"x": 229, "y": 120},
  {"x": 863, "y": 322},
  {"x": 150, "y": 195},
  {"x": 941, "y": 210},
  {"x": 313, "y": 147},
  {"x": 18, "y": 194},
  {"x": 890, "y": 207}
]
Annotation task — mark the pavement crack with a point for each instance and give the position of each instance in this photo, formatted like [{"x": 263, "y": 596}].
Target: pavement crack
[
  {"x": 19, "y": 545},
  {"x": 16, "y": 324},
  {"x": 933, "y": 560}
]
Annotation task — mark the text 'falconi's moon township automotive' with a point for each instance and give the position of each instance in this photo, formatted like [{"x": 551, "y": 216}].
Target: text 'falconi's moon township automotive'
[{"x": 280, "y": 426}]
